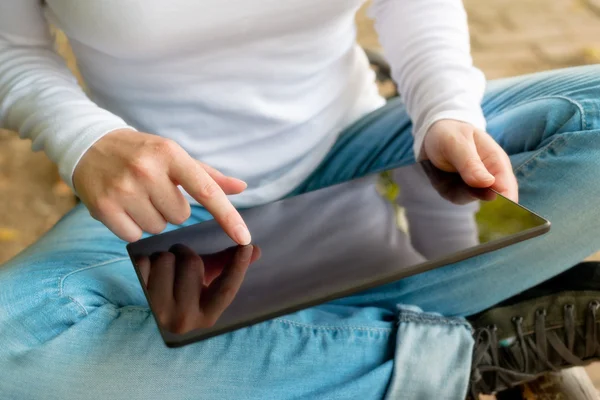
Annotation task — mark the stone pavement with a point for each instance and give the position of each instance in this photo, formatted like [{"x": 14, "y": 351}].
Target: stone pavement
[{"x": 515, "y": 37}]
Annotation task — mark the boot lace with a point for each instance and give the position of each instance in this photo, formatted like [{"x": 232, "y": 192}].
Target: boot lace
[{"x": 545, "y": 350}]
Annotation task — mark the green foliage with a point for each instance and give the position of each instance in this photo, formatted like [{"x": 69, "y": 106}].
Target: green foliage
[{"x": 388, "y": 188}]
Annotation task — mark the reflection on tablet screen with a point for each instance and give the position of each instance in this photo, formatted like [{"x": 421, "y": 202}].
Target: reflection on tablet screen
[{"x": 321, "y": 245}]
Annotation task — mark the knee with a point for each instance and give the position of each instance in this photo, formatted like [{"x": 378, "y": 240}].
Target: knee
[
  {"x": 526, "y": 113},
  {"x": 529, "y": 126},
  {"x": 31, "y": 309},
  {"x": 40, "y": 299},
  {"x": 581, "y": 87}
]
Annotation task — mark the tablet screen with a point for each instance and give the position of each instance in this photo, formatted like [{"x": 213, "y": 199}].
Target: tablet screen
[{"x": 321, "y": 245}]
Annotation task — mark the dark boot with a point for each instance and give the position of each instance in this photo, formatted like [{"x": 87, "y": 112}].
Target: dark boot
[{"x": 547, "y": 328}]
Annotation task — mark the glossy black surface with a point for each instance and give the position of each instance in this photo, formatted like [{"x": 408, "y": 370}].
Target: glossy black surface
[{"x": 310, "y": 249}]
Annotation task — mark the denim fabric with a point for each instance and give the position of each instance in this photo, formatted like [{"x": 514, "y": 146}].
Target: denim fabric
[{"x": 74, "y": 323}]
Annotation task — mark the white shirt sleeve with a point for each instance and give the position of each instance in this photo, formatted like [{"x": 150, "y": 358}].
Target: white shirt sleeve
[
  {"x": 427, "y": 45},
  {"x": 39, "y": 97}
]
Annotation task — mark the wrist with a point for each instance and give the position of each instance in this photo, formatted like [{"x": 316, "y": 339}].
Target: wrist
[{"x": 80, "y": 147}]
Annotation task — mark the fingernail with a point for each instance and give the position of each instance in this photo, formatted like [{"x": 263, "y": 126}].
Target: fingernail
[
  {"x": 245, "y": 253},
  {"x": 483, "y": 175},
  {"x": 242, "y": 235}
]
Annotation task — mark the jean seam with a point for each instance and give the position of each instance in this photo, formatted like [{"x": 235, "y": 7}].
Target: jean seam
[
  {"x": 405, "y": 316},
  {"x": 414, "y": 317},
  {"x": 77, "y": 304},
  {"x": 583, "y": 119},
  {"x": 331, "y": 327},
  {"x": 582, "y": 113},
  {"x": 63, "y": 278},
  {"x": 558, "y": 142},
  {"x": 287, "y": 322},
  {"x": 133, "y": 308}
]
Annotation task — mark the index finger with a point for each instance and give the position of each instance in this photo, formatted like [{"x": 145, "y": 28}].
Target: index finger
[
  {"x": 223, "y": 290},
  {"x": 189, "y": 274},
  {"x": 203, "y": 188}
]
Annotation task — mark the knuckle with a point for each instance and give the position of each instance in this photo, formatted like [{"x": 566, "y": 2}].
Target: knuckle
[
  {"x": 102, "y": 207},
  {"x": 230, "y": 217},
  {"x": 498, "y": 161},
  {"x": 142, "y": 167},
  {"x": 471, "y": 162},
  {"x": 466, "y": 130},
  {"x": 123, "y": 189},
  {"x": 167, "y": 148},
  {"x": 451, "y": 141},
  {"x": 494, "y": 161},
  {"x": 208, "y": 190},
  {"x": 157, "y": 227},
  {"x": 450, "y": 144},
  {"x": 181, "y": 216}
]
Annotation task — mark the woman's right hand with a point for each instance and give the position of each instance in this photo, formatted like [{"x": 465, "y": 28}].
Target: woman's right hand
[{"x": 128, "y": 180}]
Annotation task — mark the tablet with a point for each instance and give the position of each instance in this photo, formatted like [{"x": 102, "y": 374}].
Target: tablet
[{"x": 319, "y": 246}]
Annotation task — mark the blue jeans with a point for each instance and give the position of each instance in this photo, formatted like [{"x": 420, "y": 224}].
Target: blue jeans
[{"x": 74, "y": 323}]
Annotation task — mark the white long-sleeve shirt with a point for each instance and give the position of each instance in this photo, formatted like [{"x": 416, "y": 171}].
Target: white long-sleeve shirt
[{"x": 259, "y": 89}]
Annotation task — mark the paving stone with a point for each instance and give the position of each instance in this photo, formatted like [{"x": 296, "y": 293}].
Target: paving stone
[
  {"x": 500, "y": 40},
  {"x": 561, "y": 53},
  {"x": 494, "y": 58}
]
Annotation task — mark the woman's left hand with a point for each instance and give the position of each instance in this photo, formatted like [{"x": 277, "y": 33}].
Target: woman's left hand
[{"x": 455, "y": 146}]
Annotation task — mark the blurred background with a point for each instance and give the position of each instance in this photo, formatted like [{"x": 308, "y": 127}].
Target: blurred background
[{"x": 509, "y": 37}]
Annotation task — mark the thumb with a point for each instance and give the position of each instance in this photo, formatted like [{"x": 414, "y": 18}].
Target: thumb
[{"x": 463, "y": 155}]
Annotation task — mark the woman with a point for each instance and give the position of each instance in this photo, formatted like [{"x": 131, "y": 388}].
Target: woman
[{"x": 258, "y": 100}]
